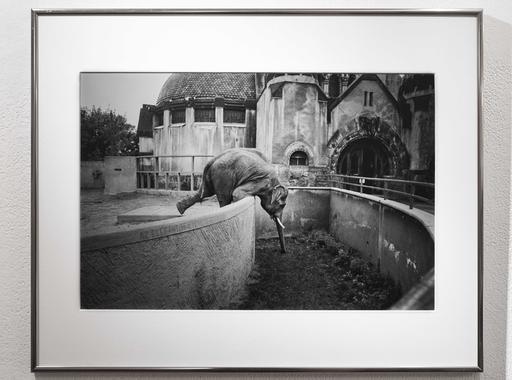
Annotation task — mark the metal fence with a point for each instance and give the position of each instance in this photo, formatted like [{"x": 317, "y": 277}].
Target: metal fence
[
  {"x": 174, "y": 172},
  {"x": 410, "y": 191}
]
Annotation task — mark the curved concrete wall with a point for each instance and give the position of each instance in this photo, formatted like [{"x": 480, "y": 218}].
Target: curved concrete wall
[
  {"x": 196, "y": 262},
  {"x": 398, "y": 240}
]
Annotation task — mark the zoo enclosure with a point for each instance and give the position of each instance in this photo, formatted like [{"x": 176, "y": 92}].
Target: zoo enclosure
[
  {"x": 398, "y": 241},
  {"x": 173, "y": 172},
  {"x": 388, "y": 188}
]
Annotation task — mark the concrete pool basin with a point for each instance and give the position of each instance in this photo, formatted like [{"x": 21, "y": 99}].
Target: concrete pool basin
[
  {"x": 202, "y": 261},
  {"x": 396, "y": 239}
]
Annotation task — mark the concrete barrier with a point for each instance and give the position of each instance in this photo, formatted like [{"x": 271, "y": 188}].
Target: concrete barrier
[
  {"x": 190, "y": 262},
  {"x": 397, "y": 240}
]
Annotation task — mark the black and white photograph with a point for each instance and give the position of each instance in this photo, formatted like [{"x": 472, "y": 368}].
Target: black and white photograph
[
  {"x": 257, "y": 191},
  {"x": 306, "y": 204}
]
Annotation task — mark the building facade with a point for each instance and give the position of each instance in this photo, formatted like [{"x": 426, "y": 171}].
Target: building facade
[
  {"x": 198, "y": 114},
  {"x": 367, "y": 125}
]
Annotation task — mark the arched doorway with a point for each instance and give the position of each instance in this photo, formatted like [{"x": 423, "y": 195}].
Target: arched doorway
[
  {"x": 379, "y": 149},
  {"x": 365, "y": 157}
]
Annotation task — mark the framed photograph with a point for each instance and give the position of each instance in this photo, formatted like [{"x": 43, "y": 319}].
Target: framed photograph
[{"x": 212, "y": 195}]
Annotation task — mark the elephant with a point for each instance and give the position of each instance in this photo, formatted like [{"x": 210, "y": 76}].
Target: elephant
[{"x": 239, "y": 173}]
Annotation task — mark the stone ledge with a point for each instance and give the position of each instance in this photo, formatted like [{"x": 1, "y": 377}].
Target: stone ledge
[
  {"x": 149, "y": 214},
  {"x": 121, "y": 235}
]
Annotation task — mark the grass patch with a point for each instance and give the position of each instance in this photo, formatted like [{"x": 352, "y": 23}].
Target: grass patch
[{"x": 317, "y": 273}]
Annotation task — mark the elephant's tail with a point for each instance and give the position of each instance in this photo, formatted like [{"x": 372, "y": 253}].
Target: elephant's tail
[{"x": 204, "y": 190}]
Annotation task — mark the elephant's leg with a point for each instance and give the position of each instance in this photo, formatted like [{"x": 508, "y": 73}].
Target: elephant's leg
[
  {"x": 187, "y": 202},
  {"x": 244, "y": 191},
  {"x": 191, "y": 200},
  {"x": 224, "y": 200}
]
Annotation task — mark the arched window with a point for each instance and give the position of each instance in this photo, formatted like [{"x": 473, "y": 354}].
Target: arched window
[{"x": 299, "y": 158}]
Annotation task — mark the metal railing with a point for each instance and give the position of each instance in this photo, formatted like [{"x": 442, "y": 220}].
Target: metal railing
[
  {"x": 168, "y": 173},
  {"x": 386, "y": 187}
]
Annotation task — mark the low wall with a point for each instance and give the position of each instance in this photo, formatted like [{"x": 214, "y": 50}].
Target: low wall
[
  {"x": 397, "y": 240},
  {"x": 120, "y": 174},
  {"x": 191, "y": 262},
  {"x": 306, "y": 208},
  {"x": 92, "y": 174}
]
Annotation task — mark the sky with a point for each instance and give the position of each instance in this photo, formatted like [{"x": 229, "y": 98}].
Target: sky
[{"x": 124, "y": 93}]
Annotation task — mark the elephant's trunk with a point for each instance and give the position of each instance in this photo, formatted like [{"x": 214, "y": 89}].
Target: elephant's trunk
[{"x": 280, "y": 231}]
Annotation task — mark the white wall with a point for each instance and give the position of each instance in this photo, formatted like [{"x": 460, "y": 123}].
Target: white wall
[{"x": 15, "y": 137}]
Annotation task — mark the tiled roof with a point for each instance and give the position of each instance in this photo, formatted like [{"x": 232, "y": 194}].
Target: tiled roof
[{"x": 208, "y": 85}]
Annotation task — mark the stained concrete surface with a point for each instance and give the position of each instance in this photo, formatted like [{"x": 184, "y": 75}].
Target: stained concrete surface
[
  {"x": 149, "y": 214},
  {"x": 98, "y": 210}
]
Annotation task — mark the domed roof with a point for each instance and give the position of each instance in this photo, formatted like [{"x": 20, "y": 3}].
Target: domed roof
[{"x": 208, "y": 85}]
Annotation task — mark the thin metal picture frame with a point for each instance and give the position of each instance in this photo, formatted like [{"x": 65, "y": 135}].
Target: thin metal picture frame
[{"x": 39, "y": 229}]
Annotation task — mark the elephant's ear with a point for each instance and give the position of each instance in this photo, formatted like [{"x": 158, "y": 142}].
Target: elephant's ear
[{"x": 279, "y": 193}]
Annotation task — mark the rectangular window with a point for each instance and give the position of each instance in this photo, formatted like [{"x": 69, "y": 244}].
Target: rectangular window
[
  {"x": 368, "y": 99},
  {"x": 204, "y": 115},
  {"x": 234, "y": 116},
  {"x": 178, "y": 116},
  {"x": 159, "y": 119}
]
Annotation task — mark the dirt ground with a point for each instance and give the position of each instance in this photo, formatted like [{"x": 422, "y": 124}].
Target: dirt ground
[{"x": 316, "y": 273}]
